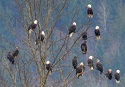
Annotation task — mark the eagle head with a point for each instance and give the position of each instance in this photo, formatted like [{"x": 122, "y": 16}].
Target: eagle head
[
  {"x": 74, "y": 23},
  {"x": 48, "y": 62},
  {"x": 97, "y": 27},
  {"x": 35, "y": 22},
  {"x": 91, "y": 57},
  {"x": 89, "y": 6},
  {"x": 117, "y": 71}
]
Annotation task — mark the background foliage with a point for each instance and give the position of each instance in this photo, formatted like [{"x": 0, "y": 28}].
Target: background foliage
[{"x": 109, "y": 15}]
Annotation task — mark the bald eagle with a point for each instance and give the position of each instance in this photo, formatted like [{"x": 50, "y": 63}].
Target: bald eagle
[
  {"x": 48, "y": 66},
  {"x": 40, "y": 37},
  {"x": 90, "y": 11},
  {"x": 117, "y": 76},
  {"x": 97, "y": 32},
  {"x": 74, "y": 62},
  {"x": 84, "y": 47},
  {"x": 109, "y": 74},
  {"x": 33, "y": 26},
  {"x": 99, "y": 66},
  {"x": 72, "y": 29},
  {"x": 16, "y": 53},
  {"x": 80, "y": 70},
  {"x": 10, "y": 57},
  {"x": 90, "y": 62},
  {"x": 84, "y": 35}
]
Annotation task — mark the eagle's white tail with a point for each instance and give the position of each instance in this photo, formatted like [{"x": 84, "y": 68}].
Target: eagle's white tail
[
  {"x": 30, "y": 31},
  {"x": 90, "y": 16},
  {"x": 117, "y": 81},
  {"x": 92, "y": 68},
  {"x": 71, "y": 35},
  {"x": 49, "y": 72},
  {"x": 98, "y": 37},
  {"x": 35, "y": 42}
]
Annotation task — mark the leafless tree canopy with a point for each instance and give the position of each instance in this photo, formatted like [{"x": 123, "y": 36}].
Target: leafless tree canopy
[{"x": 54, "y": 18}]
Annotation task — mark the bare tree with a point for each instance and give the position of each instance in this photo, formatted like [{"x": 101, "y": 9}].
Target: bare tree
[
  {"x": 30, "y": 69},
  {"x": 54, "y": 18},
  {"x": 103, "y": 14}
]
